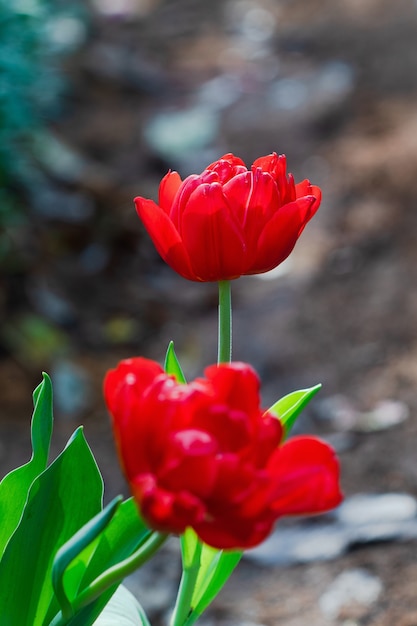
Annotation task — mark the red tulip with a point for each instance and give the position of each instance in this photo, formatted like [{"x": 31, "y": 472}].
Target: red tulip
[
  {"x": 204, "y": 455},
  {"x": 229, "y": 221}
]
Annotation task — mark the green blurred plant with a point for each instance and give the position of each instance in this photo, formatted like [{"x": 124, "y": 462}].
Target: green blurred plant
[{"x": 35, "y": 35}]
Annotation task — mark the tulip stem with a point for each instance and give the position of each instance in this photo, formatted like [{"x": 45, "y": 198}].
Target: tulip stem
[
  {"x": 113, "y": 576},
  {"x": 183, "y": 607},
  {"x": 225, "y": 322}
]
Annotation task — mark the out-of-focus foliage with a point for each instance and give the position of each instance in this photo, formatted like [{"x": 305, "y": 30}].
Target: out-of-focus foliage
[{"x": 35, "y": 35}]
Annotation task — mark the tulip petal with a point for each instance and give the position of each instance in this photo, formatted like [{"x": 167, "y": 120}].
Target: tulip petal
[
  {"x": 167, "y": 407},
  {"x": 231, "y": 428},
  {"x": 125, "y": 389},
  {"x": 306, "y": 189},
  {"x": 184, "y": 192},
  {"x": 125, "y": 386},
  {"x": 276, "y": 166},
  {"x": 164, "y": 510},
  {"x": 273, "y": 163},
  {"x": 269, "y": 436},
  {"x": 236, "y": 384},
  {"x": 306, "y": 473},
  {"x": 189, "y": 462},
  {"x": 280, "y": 234},
  {"x": 228, "y": 532},
  {"x": 227, "y": 167},
  {"x": 131, "y": 377},
  {"x": 230, "y": 158},
  {"x": 165, "y": 236},
  {"x": 254, "y": 199},
  {"x": 211, "y": 235},
  {"x": 168, "y": 188}
]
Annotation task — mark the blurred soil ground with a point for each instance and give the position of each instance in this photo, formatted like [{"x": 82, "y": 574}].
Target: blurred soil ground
[{"x": 333, "y": 84}]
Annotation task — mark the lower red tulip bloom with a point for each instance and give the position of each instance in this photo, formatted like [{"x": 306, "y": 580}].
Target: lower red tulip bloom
[
  {"x": 204, "y": 455},
  {"x": 229, "y": 221}
]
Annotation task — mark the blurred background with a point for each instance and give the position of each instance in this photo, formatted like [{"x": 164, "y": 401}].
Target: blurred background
[{"x": 98, "y": 99}]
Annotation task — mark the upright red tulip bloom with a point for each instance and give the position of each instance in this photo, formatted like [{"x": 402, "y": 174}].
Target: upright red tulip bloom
[
  {"x": 204, "y": 455},
  {"x": 229, "y": 221}
]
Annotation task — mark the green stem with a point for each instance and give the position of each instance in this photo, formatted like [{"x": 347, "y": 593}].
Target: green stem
[
  {"x": 225, "y": 322},
  {"x": 113, "y": 576},
  {"x": 187, "y": 585}
]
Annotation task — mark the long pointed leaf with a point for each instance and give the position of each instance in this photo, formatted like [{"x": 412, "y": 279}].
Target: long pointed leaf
[
  {"x": 61, "y": 500},
  {"x": 122, "y": 610},
  {"x": 73, "y": 547},
  {"x": 288, "y": 408},
  {"x": 123, "y": 535},
  {"x": 216, "y": 566},
  {"x": 15, "y": 486},
  {"x": 172, "y": 365}
]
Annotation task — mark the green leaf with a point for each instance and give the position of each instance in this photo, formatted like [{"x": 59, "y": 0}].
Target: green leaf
[
  {"x": 123, "y": 535},
  {"x": 89, "y": 614},
  {"x": 216, "y": 566},
  {"x": 122, "y": 610},
  {"x": 72, "y": 548},
  {"x": 15, "y": 486},
  {"x": 61, "y": 500},
  {"x": 172, "y": 365},
  {"x": 288, "y": 408},
  {"x": 189, "y": 543}
]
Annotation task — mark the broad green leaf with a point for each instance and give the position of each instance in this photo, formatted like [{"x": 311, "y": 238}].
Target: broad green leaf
[
  {"x": 89, "y": 614},
  {"x": 123, "y": 535},
  {"x": 122, "y": 610},
  {"x": 172, "y": 365},
  {"x": 216, "y": 566},
  {"x": 61, "y": 500},
  {"x": 73, "y": 547},
  {"x": 189, "y": 542},
  {"x": 288, "y": 408},
  {"x": 15, "y": 486}
]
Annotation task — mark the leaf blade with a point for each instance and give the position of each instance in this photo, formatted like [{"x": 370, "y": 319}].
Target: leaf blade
[
  {"x": 172, "y": 365},
  {"x": 216, "y": 566},
  {"x": 123, "y": 535},
  {"x": 15, "y": 486},
  {"x": 51, "y": 516},
  {"x": 289, "y": 407},
  {"x": 218, "y": 569},
  {"x": 122, "y": 610},
  {"x": 72, "y": 549}
]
